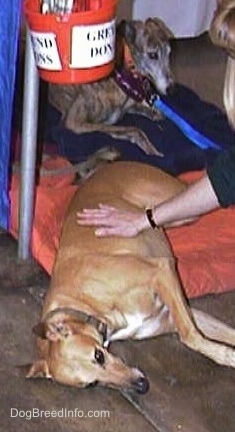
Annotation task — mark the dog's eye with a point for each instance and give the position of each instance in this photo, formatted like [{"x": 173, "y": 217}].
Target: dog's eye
[
  {"x": 153, "y": 55},
  {"x": 99, "y": 356}
]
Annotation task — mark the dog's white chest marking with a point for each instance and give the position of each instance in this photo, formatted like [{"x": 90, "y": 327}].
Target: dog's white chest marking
[{"x": 140, "y": 326}]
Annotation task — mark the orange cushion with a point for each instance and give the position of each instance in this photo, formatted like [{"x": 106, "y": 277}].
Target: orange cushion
[
  {"x": 53, "y": 195},
  {"x": 205, "y": 250}
]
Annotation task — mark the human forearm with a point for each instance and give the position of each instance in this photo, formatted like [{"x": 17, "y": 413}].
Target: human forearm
[{"x": 199, "y": 198}]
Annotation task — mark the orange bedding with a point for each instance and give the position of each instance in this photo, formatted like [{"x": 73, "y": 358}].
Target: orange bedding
[{"x": 205, "y": 250}]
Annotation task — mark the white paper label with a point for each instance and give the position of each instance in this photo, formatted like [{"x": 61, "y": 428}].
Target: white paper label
[
  {"x": 45, "y": 50},
  {"x": 93, "y": 45}
]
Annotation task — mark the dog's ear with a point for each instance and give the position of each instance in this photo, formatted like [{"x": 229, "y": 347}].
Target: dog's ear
[
  {"x": 121, "y": 28},
  {"x": 120, "y": 44},
  {"x": 40, "y": 330},
  {"x": 128, "y": 29},
  {"x": 162, "y": 29},
  {"x": 39, "y": 369},
  {"x": 52, "y": 331}
]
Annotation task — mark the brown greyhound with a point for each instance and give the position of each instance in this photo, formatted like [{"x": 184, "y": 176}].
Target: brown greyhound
[{"x": 105, "y": 289}]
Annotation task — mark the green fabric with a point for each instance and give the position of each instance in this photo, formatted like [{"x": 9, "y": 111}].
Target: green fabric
[{"x": 222, "y": 177}]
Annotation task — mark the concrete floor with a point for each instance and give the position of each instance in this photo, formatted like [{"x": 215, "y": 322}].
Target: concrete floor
[{"x": 188, "y": 392}]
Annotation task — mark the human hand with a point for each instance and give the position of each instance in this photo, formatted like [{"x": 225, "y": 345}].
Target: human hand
[{"x": 112, "y": 221}]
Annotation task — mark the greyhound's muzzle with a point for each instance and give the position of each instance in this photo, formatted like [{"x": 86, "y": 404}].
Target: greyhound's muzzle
[{"x": 141, "y": 385}]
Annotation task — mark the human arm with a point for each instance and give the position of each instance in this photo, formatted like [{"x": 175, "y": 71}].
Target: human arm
[
  {"x": 197, "y": 199},
  {"x": 215, "y": 189}
]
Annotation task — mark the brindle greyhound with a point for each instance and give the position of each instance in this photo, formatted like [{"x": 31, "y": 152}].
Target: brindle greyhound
[
  {"x": 98, "y": 106},
  {"x": 105, "y": 289}
]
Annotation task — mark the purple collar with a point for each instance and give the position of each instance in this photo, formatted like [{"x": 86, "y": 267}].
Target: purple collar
[
  {"x": 130, "y": 83},
  {"x": 135, "y": 86}
]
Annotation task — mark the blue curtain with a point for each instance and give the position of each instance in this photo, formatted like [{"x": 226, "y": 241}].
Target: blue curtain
[{"x": 9, "y": 31}]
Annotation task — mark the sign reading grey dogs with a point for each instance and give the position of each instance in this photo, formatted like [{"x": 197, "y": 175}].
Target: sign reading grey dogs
[{"x": 91, "y": 46}]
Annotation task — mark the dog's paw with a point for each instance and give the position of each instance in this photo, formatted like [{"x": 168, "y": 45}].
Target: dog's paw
[
  {"x": 96, "y": 161},
  {"x": 137, "y": 136},
  {"x": 157, "y": 115}
]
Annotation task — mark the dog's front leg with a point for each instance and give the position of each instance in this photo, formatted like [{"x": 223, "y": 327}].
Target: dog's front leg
[
  {"x": 146, "y": 111},
  {"x": 214, "y": 328},
  {"x": 170, "y": 291},
  {"x": 131, "y": 133}
]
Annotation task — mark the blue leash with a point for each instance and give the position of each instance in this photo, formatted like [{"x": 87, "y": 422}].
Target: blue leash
[
  {"x": 142, "y": 89},
  {"x": 196, "y": 137},
  {"x": 153, "y": 99}
]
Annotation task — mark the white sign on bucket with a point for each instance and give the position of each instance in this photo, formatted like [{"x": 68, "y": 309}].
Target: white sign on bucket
[
  {"x": 45, "y": 50},
  {"x": 93, "y": 45}
]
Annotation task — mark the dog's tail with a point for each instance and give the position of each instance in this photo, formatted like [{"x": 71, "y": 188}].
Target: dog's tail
[{"x": 84, "y": 169}]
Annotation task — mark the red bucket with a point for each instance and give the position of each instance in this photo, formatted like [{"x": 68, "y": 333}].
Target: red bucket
[{"x": 73, "y": 48}]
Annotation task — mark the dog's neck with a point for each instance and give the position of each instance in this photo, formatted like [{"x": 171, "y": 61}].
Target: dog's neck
[
  {"x": 130, "y": 83},
  {"x": 134, "y": 85},
  {"x": 81, "y": 317},
  {"x": 125, "y": 75},
  {"x": 107, "y": 327}
]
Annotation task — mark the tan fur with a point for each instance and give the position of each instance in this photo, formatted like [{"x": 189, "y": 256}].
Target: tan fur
[
  {"x": 99, "y": 105},
  {"x": 131, "y": 284}
]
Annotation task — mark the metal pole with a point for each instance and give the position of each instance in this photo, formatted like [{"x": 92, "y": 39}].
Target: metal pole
[{"x": 29, "y": 150}]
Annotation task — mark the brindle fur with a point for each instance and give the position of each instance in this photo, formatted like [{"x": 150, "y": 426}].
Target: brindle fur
[{"x": 98, "y": 106}]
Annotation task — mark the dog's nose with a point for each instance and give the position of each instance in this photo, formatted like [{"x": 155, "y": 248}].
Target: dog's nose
[
  {"x": 93, "y": 384},
  {"x": 170, "y": 89},
  {"x": 141, "y": 385}
]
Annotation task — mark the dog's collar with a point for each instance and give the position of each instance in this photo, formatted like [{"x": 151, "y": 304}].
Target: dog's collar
[
  {"x": 136, "y": 86},
  {"x": 140, "y": 89},
  {"x": 81, "y": 317},
  {"x": 130, "y": 83}
]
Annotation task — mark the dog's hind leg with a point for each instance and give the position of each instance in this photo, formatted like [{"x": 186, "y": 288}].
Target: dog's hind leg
[{"x": 168, "y": 287}]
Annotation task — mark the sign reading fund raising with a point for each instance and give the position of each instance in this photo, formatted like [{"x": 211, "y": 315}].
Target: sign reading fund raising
[{"x": 92, "y": 45}]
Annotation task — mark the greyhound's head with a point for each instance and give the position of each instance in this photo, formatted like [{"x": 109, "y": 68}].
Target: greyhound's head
[
  {"x": 149, "y": 45},
  {"x": 73, "y": 354}
]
